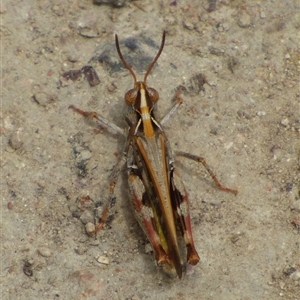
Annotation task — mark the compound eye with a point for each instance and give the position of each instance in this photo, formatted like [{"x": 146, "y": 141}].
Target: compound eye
[
  {"x": 130, "y": 96},
  {"x": 153, "y": 95}
]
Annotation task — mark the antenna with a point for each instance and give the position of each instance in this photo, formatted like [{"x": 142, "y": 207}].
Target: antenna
[
  {"x": 156, "y": 57},
  {"x": 126, "y": 64}
]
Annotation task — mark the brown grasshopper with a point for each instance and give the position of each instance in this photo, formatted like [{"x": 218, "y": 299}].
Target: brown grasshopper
[{"x": 158, "y": 195}]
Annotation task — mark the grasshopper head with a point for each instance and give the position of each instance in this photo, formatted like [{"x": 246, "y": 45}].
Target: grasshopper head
[{"x": 142, "y": 98}]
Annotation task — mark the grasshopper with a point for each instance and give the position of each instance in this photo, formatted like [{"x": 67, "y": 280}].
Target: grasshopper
[{"x": 159, "y": 198}]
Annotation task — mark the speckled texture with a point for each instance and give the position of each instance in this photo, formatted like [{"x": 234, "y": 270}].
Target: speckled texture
[{"x": 55, "y": 165}]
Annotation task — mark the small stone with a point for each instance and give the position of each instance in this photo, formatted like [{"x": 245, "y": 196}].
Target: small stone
[
  {"x": 88, "y": 32},
  {"x": 73, "y": 57},
  {"x": 282, "y": 285},
  {"x": 41, "y": 183},
  {"x": 86, "y": 217},
  {"x": 81, "y": 249},
  {"x": 44, "y": 251},
  {"x": 43, "y": 226},
  {"x": 103, "y": 260},
  {"x": 85, "y": 155},
  {"x": 261, "y": 113},
  {"x": 284, "y": 122},
  {"x": 170, "y": 20},
  {"x": 262, "y": 15},
  {"x": 15, "y": 141},
  {"x": 277, "y": 273},
  {"x": 90, "y": 228},
  {"x": 244, "y": 20},
  {"x": 235, "y": 236},
  {"x": 228, "y": 145},
  {"x": 216, "y": 51},
  {"x": 188, "y": 25},
  {"x": 226, "y": 26},
  {"x": 296, "y": 275},
  {"x": 58, "y": 10},
  {"x": 287, "y": 56}
]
